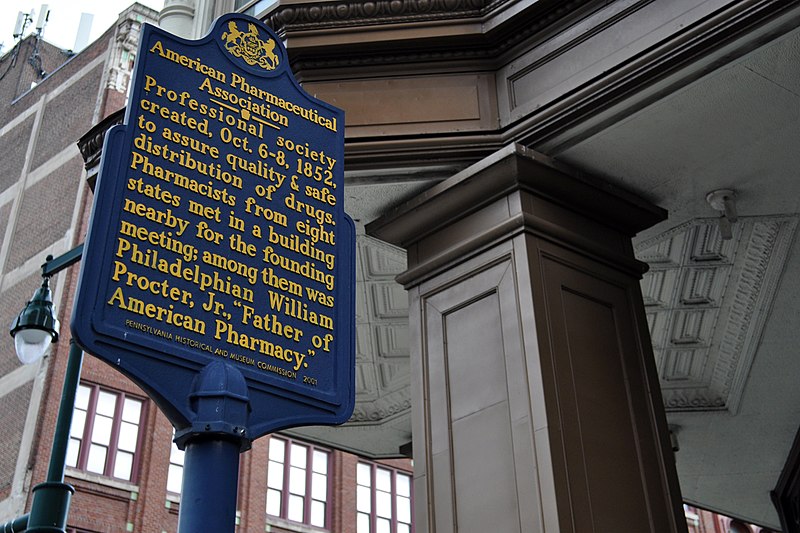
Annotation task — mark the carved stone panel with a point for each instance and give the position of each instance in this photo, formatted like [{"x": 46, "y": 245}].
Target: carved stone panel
[
  {"x": 707, "y": 300},
  {"x": 382, "y": 349}
]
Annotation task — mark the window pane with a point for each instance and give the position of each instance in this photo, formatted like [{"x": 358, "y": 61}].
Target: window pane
[
  {"x": 383, "y": 504},
  {"x": 273, "y": 502},
  {"x": 403, "y": 509},
  {"x": 383, "y": 526},
  {"x": 403, "y": 485},
  {"x": 383, "y": 480},
  {"x": 295, "y": 508},
  {"x": 276, "y": 448},
  {"x": 96, "y": 461},
  {"x": 73, "y": 448},
  {"x": 320, "y": 462},
  {"x": 78, "y": 424},
  {"x": 103, "y": 414},
  {"x": 362, "y": 523},
  {"x": 363, "y": 474},
  {"x": 123, "y": 465},
  {"x": 131, "y": 410},
  {"x": 128, "y": 434},
  {"x": 363, "y": 499},
  {"x": 275, "y": 475},
  {"x": 403, "y": 528},
  {"x": 319, "y": 487},
  {"x": 174, "y": 478},
  {"x": 101, "y": 431},
  {"x": 298, "y": 456},
  {"x": 317, "y": 514},
  {"x": 82, "y": 397},
  {"x": 106, "y": 403},
  {"x": 297, "y": 481}
]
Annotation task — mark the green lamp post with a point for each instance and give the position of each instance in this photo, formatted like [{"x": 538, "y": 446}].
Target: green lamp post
[{"x": 34, "y": 330}]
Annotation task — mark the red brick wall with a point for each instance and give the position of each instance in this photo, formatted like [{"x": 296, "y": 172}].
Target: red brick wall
[
  {"x": 48, "y": 203},
  {"x": 15, "y": 96},
  {"x": 253, "y": 486},
  {"x": 18, "y": 78},
  {"x": 12, "y": 420},
  {"x": 344, "y": 490},
  {"x": 68, "y": 116},
  {"x": 13, "y": 146}
]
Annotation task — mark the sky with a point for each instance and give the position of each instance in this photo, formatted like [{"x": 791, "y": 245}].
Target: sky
[{"x": 65, "y": 15}]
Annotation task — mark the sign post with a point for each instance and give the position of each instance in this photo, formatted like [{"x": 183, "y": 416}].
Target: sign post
[{"x": 218, "y": 273}]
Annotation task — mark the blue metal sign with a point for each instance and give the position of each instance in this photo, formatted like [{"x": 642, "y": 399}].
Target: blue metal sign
[{"x": 218, "y": 235}]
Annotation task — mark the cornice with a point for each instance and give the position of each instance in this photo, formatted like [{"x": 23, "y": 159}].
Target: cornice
[
  {"x": 319, "y": 51},
  {"x": 329, "y": 15},
  {"x": 91, "y": 144},
  {"x": 470, "y": 41}
]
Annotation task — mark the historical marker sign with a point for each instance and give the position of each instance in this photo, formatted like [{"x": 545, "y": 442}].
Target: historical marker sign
[{"x": 218, "y": 232}]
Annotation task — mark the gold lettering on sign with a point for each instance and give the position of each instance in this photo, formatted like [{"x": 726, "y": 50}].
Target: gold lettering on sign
[{"x": 227, "y": 240}]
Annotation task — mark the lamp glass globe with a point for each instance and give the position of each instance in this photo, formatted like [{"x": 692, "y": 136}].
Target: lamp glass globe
[{"x": 31, "y": 343}]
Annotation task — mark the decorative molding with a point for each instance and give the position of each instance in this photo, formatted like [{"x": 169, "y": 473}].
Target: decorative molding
[
  {"x": 125, "y": 44},
  {"x": 383, "y": 408},
  {"x": 707, "y": 301},
  {"x": 392, "y": 339},
  {"x": 389, "y": 301},
  {"x": 326, "y": 16},
  {"x": 382, "y": 370},
  {"x": 766, "y": 255},
  {"x": 382, "y": 260},
  {"x": 91, "y": 144}
]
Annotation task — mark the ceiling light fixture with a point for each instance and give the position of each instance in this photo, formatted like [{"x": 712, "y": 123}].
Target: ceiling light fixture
[{"x": 724, "y": 201}]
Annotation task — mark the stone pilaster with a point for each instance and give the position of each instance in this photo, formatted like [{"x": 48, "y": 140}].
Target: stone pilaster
[{"x": 536, "y": 403}]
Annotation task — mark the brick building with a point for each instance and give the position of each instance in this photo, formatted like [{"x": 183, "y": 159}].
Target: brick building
[
  {"x": 121, "y": 460},
  {"x": 48, "y": 99}
]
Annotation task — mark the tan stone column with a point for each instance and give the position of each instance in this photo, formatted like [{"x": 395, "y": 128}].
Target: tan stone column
[
  {"x": 177, "y": 16},
  {"x": 536, "y": 403}
]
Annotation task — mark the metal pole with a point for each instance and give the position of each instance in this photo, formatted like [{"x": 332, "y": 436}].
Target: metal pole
[
  {"x": 210, "y": 482},
  {"x": 213, "y": 443},
  {"x": 72, "y": 377},
  {"x": 51, "y": 499},
  {"x": 17, "y": 525}
]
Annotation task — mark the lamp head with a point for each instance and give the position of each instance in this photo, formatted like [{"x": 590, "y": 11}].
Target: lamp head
[{"x": 36, "y": 326}]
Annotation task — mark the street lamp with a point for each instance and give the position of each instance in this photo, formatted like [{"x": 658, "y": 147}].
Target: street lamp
[
  {"x": 36, "y": 326},
  {"x": 33, "y": 331}
]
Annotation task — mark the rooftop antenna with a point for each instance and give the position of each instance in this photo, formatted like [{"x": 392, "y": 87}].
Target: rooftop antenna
[
  {"x": 44, "y": 15},
  {"x": 19, "y": 29},
  {"x": 35, "y": 59},
  {"x": 22, "y": 22}
]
